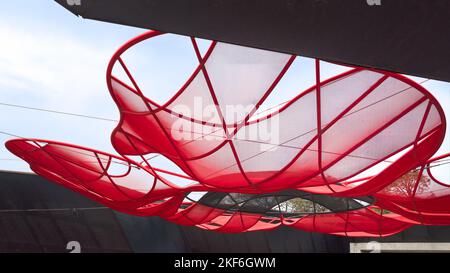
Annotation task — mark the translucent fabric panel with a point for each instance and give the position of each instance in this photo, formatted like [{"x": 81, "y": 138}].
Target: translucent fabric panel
[
  {"x": 244, "y": 164},
  {"x": 397, "y": 136},
  {"x": 418, "y": 195},
  {"x": 128, "y": 99},
  {"x": 220, "y": 169},
  {"x": 362, "y": 121},
  {"x": 337, "y": 95},
  {"x": 235, "y": 88},
  {"x": 195, "y": 101},
  {"x": 191, "y": 139},
  {"x": 433, "y": 120}
]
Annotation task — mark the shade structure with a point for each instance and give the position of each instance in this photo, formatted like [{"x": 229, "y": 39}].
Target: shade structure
[
  {"x": 329, "y": 133},
  {"x": 298, "y": 164},
  {"x": 420, "y": 195},
  {"x": 142, "y": 191}
]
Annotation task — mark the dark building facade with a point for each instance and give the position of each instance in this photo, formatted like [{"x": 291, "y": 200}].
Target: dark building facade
[{"x": 39, "y": 216}]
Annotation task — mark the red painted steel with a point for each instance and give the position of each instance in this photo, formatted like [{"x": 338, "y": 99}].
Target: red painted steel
[{"x": 327, "y": 137}]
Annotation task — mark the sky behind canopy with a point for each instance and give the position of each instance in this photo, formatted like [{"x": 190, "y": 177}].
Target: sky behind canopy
[{"x": 53, "y": 60}]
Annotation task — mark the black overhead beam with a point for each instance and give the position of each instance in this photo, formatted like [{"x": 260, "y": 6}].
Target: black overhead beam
[{"x": 405, "y": 36}]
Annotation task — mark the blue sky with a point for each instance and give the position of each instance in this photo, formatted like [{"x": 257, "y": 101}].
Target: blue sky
[{"x": 51, "y": 59}]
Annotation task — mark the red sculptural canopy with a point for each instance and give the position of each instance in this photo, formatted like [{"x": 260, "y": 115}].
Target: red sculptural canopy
[{"x": 300, "y": 164}]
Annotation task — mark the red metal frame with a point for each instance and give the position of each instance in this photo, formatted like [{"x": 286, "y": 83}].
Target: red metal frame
[{"x": 167, "y": 200}]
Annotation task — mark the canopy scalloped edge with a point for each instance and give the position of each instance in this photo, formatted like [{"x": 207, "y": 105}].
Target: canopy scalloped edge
[{"x": 328, "y": 136}]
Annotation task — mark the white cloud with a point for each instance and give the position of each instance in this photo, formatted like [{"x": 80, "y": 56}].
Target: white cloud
[
  {"x": 54, "y": 66},
  {"x": 48, "y": 68}
]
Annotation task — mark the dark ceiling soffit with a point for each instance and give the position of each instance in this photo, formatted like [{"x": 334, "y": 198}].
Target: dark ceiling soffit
[{"x": 404, "y": 36}]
